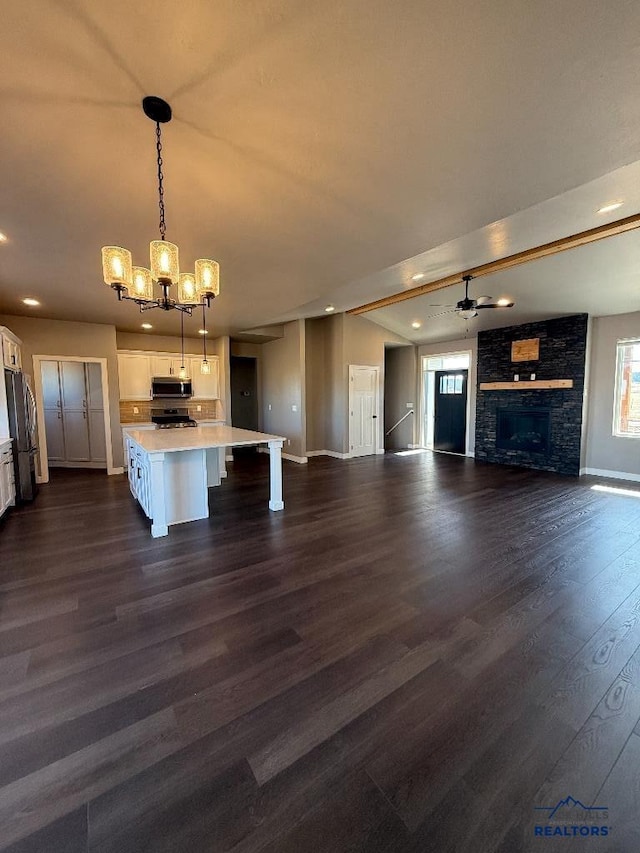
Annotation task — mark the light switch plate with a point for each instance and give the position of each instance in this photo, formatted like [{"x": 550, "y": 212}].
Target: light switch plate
[
  {"x": 198, "y": 408},
  {"x": 294, "y": 408},
  {"x": 533, "y": 376},
  {"x": 516, "y": 377},
  {"x": 136, "y": 410},
  {"x": 409, "y": 405},
  {"x": 269, "y": 406}
]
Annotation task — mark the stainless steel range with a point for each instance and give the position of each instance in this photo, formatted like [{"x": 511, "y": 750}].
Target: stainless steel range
[{"x": 177, "y": 418}]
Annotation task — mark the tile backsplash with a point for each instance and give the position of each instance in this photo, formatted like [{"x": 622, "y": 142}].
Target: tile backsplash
[{"x": 210, "y": 409}]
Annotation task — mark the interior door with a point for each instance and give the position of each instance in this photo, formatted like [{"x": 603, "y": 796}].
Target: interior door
[
  {"x": 363, "y": 410},
  {"x": 450, "y": 411}
]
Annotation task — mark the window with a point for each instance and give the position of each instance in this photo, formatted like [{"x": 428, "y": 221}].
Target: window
[
  {"x": 451, "y": 384},
  {"x": 626, "y": 413}
]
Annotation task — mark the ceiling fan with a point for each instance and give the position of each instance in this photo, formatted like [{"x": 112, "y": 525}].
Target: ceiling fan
[{"x": 468, "y": 308}]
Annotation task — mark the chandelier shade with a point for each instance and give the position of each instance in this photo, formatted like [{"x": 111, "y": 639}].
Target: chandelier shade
[
  {"x": 165, "y": 265},
  {"x": 207, "y": 278},
  {"x": 187, "y": 294},
  {"x": 138, "y": 283},
  {"x": 142, "y": 287},
  {"x": 116, "y": 266}
]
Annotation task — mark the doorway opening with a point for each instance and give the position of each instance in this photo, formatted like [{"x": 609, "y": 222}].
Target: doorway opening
[
  {"x": 244, "y": 397},
  {"x": 445, "y": 402}
]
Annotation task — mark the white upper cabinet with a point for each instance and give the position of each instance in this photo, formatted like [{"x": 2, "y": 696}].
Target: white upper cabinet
[
  {"x": 136, "y": 369},
  {"x": 11, "y": 353},
  {"x": 134, "y": 374},
  {"x": 206, "y": 386}
]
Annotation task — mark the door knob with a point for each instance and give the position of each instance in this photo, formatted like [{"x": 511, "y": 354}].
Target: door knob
[{"x": 374, "y": 416}]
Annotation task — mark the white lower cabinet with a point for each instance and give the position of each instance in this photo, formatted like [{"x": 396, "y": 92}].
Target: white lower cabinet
[
  {"x": 7, "y": 479},
  {"x": 139, "y": 476}
]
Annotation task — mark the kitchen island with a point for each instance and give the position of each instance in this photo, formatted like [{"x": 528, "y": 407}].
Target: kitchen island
[{"x": 171, "y": 470}]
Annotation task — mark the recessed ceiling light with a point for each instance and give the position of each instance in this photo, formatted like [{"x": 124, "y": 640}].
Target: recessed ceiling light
[
  {"x": 503, "y": 301},
  {"x": 3, "y": 237},
  {"x": 330, "y": 308},
  {"x": 417, "y": 276},
  {"x": 609, "y": 207},
  {"x": 203, "y": 332},
  {"x": 416, "y": 324},
  {"x": 147, "y": 326},
  {"x": 30, "y": 301}
]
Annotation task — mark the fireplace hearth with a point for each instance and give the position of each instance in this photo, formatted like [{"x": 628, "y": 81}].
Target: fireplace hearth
[{"x": 523, "y": 429}]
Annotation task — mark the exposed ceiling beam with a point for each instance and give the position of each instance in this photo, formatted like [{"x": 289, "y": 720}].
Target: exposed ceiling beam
[{"x": 611, "y": 229}]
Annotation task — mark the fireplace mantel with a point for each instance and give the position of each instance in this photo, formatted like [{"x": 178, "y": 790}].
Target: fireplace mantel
[{"x": 541, "y": 384}]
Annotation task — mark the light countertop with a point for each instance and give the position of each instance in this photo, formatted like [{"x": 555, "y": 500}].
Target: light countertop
[
  {"x": 5, "y": 442},
  {"x": 197, "y": 438}
]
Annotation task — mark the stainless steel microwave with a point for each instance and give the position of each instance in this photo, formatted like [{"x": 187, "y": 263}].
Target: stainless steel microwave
[{"x": 163, "y": 387}]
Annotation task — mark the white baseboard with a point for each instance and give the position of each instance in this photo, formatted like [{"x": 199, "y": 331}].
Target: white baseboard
[
  {"x": 471, "y": 454},
  {"x": 111, "y": 471},
  {"x": 229, "y": 458},
  {"x": 332, "y": 453},
  {"x": 614, "y": 475},
  {"x": 301, "y": 460}
]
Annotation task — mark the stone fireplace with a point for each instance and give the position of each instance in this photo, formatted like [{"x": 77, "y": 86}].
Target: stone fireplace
[{"x": 523, "y": 424}]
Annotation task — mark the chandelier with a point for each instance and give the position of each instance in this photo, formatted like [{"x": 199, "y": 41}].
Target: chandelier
[{"x": 138, "y": 283}]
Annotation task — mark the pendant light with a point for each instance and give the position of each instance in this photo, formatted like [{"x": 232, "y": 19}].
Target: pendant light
[
  {"x": 138, "y": 283},
  {"x": 182, "y": 374},
  {"x": 205, "y": 367}
]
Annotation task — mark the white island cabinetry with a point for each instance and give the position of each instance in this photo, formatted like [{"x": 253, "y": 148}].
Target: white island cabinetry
[{"x": 170, "y": 470}]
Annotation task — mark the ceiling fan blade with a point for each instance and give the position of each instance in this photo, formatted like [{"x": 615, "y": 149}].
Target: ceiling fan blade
[
  {"x": 441, "y": 305},
  {"x": 495, "y": 305},
  {"x": 441, "y": 313}
]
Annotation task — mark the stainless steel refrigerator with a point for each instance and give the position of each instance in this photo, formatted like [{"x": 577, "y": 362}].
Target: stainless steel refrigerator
[{"x": 22, "y": 429}]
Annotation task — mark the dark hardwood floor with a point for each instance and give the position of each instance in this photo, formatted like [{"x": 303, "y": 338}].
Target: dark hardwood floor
[{"x": 411, "y": 657}]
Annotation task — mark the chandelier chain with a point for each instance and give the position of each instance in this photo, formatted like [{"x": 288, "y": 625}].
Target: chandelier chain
[{"x": 163, "y": 225}]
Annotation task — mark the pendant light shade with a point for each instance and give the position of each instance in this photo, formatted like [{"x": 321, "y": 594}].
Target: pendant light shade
[
  {"x": 207, "y": 278},
  {"x": 205, "y": 366},
  {"x": 187, "y": 289},
  {"x": 116, "y": 266},
  {"x": 165, "y": 265},
  {"x": 142, "y": 287}
]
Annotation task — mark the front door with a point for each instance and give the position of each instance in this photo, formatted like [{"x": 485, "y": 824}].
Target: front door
[
  {"x": 450, "y": 421},
  {"x": 363, "y": 410}
]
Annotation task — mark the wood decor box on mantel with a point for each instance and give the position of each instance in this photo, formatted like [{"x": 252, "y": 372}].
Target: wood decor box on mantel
[{"x": 540, "y": 384}]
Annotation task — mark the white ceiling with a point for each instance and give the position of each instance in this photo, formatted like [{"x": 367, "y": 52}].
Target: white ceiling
[{"x": 315, "y": 147}]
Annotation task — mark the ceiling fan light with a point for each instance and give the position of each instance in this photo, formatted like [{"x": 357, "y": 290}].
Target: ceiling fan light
[
  {"x": 142, "y": 286},
  {"x": 187, "y": 293},
  {"x": 116, "y": 266},
  {"x": 469, "y": 314},
  {"x": 207, "y": 278},
  {"x": 164, "y": 261}
]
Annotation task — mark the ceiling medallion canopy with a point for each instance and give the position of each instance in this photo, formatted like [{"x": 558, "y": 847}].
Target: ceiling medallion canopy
[{"x": 138, "y": 283}]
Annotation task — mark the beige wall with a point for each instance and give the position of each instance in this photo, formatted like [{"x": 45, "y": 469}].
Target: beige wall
[
  {"x": 166, "y": 343},
  {"x": 315, "y": 383},
  {"x": 283, "y": 386},
  {"x": 605, "y": 451},
  {"x": 63, "y": 338},
  {"x": 464, "y": 345},
  {"x": 400, "y": 386}
]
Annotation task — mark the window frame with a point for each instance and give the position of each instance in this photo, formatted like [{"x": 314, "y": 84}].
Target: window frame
[{"x": 617, "y": 391}]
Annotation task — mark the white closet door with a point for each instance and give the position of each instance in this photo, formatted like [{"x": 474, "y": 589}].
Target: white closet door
[
  {"x": 94, "y": 385},
  {"x": 51, "y": 385},
  {"x": 54, "y": 430},
  {"x": 74, "y": 393},
  {"x": 76, "y": 436}
]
